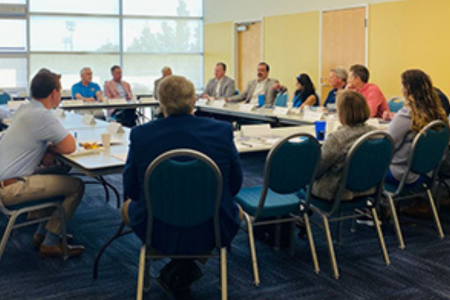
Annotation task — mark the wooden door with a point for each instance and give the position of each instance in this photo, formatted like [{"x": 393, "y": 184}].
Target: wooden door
[
  {"x": 343, "y": 41},
  {"x": 249, "y": 52}
]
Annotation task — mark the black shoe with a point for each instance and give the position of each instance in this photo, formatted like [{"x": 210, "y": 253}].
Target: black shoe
[{"x": 178, "y": 275}]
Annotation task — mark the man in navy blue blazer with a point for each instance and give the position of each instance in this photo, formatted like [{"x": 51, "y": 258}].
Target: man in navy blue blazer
[{"x": 181, "y": 129}]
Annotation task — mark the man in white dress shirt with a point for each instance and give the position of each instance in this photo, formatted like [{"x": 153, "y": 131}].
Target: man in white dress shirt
[{"x": 261, "y": 86}]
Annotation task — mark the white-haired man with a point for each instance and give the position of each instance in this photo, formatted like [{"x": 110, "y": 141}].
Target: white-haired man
[
  {"x": 166, "y": 71},
  {"x": 338, "y": 81},
  {"x": 86, "y": 89}
]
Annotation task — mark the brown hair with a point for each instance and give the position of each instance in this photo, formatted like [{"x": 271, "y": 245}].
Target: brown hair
[
  {"x": 352, "y": 108},
  {"x": 44, "y": 83},
  {"x": 422, "y": 99},
  {"x": 176, "y": 95},
  {"x": 361, "y": 72}
]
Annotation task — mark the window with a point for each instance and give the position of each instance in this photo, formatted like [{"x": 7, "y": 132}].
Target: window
[
  {"x": 142, "y": 36},
  {"x": 75, "y": 7},
  {"x": 13, "y": 35},
  {"x": 13, "y": 72},
  {"x": 142, "y": 70},
  {"x": 74, "y": 34},
  {"x": 162, "y": 36},
  {"x": 69, "y": 66},
  {"x": 177, "y": 8}
]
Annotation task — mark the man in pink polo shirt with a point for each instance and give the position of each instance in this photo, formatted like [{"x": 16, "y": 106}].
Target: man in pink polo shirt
[{"x": 358, "y": 81}]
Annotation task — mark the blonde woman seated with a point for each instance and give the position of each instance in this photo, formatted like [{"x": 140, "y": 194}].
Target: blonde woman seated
[{"x": 353, "y": 112}]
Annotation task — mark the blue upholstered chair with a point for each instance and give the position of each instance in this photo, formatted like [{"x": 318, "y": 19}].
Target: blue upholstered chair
[
  {"x": 395, "y": 104},
  {"x": 290, "y": 166},
  {"x": 427, "y": 152},
  {"x": 4, "y": 97},
  {"x": 281, "y": 100},
  {"x": 14, "y": 211},
  {"x": 365, "y": 168},
  {"x": 182, "y": 194}
]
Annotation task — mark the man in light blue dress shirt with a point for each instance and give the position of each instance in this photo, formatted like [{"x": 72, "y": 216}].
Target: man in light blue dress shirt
[{"x": 31, "y": 140}]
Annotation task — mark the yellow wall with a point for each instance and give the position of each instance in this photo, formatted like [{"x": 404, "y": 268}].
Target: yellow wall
[
  {"x": 402, "y": 35},
  {"x": 218, "y": 48},
  {"x": 409, "y": 34},
  {"x": 291, "y": 47}
]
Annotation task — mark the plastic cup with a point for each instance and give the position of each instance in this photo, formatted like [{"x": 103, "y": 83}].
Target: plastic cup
[
  {"x": 261, "y": 100},
  {"x": 320, "y": 130},
  {"x": 106, "y": 140}
]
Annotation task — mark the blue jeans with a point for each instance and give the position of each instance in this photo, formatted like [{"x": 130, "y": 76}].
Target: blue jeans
[{"x": 390, "y": 179}]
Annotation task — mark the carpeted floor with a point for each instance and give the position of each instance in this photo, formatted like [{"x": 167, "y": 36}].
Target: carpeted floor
[{"x": 421, "y": 271}]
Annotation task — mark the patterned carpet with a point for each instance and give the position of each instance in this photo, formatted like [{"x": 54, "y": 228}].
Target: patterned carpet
[{"x": 421, "y": 271}]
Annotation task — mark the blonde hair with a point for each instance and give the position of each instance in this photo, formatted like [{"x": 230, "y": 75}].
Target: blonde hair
[
  {"x": 176, "y": 95},
  {"x": 352, "y": 108},
  {"x": 422, "y": 99}
]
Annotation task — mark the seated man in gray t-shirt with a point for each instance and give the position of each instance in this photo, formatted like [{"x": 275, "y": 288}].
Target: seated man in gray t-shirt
[{"x": 34, "y": 135}]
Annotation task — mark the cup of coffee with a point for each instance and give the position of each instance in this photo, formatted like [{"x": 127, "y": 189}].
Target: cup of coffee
[
  {"x": 320, "y": 130},
  {"x": 106, "y": 140}
]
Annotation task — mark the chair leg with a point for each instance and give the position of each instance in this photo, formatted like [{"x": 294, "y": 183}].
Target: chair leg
[
  {"x": 292, "y": 242},
  {"x": 106, "y": 245},
  {"x": 223, "y": 273},
  {"x": 435, "y": 214},
  {"x": 6, "y": 234},
  {"x": 311, "y": 243},
  {"x": 278, "y": 236},
  {"x": 251, "y": 241},
  {"x": 396, "y": 222},
  {"x": 334, "y": 266},
  {"x": 380, "y": 236},
  {"x": 140, "y": 283},
  {"x": 147, "y": 276},
  {"x": 340, "y": 229}
]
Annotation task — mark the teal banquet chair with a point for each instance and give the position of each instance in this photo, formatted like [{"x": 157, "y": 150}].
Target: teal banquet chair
[
  {"x": 13, "y": 212},
  {"x": 395, "y": 104},
  {"x": 4, "y": 97},
  {"x": 427, "y": 152},
  {"x": 290, "y": 166},
  {"x": 182, "y": 193},
  {"x": 365, "y": 168},
  {"x": 281, "y": 100}
]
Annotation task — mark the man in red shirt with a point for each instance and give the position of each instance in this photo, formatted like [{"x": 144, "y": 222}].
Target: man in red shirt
[{"x": 358, "y": 81}]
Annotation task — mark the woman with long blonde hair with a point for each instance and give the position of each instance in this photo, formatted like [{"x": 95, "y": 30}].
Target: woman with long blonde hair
[{"x": 422, "y": 106}]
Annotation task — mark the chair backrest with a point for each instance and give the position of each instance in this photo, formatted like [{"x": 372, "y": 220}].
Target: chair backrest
[
  {"x": 395, "y": 104},
  {"x": 427, "y": 151},
  {"x": 183, "y": 188},
  {"x": 281, "y": 100},
  {"x": 366, "y": 165},
  {"x": 290, "y": 165},
  {"x": 4, "y": 97},
  {"x": 429, "y": 147}
]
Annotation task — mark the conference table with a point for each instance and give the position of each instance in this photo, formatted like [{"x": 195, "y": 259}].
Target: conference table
[
  {"x": 100, "y": 162},
  {"x": 76, "y": 104},
  {"x": 273, "y": 115}
]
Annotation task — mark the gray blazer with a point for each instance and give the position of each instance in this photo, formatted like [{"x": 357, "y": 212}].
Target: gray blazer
[
  {"x": 227, "y": 88},
  {"x": 331, "y": 165},
  {"x": 247, "y": 94},
  {"x": 155, "y": 88}
]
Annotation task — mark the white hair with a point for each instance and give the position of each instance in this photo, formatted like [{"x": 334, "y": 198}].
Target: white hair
[
  {"x": 84, "y": 69},
  {"x": 341, "y": 73}
]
